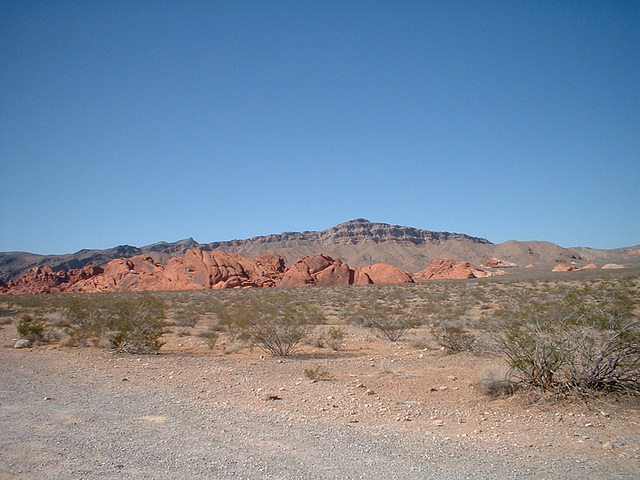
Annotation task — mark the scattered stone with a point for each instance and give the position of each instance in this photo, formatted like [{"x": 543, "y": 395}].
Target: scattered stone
[{"x": 23, "y": 343}]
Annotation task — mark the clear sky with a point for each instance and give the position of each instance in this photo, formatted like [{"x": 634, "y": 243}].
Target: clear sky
[{"x": 141, "y": 121}]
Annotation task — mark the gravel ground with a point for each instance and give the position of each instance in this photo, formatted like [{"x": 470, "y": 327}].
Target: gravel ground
[{"x": 87, "y": 414}]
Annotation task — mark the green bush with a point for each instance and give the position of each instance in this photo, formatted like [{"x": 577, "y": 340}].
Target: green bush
[{"x": 31, "y": 329}]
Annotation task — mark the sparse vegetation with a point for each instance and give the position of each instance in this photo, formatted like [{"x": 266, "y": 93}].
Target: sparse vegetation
[
  {"x": 584, "y": 339},
  {"x": 277, "y": 323},
  {"x": 332, "y": 338},
  {"x": 318, "y": 373},
  {"x": 453, "y": 337},
  {"x": 388, "y": 321},
  {"x": 31, "y": 329},
  {"x": 580, "y": 335}
]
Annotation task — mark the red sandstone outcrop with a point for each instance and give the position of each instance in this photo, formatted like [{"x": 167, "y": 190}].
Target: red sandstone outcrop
[
  {"x": 569, "y": 268},
  {"x": 443, "y": 268},
  {"x": 45, "y": 280},
  {"x": 136, "y": 274},
  {"x": 497, "y": 263},
  {"x": 199, "y": 270},
  {"x": 561, "y": 267},
  {"x": 591, "y": 266},
  {"x": 318, "y": 269},
  {"x": 383, "y": 273},
  {"x": 202, "y": 270}
]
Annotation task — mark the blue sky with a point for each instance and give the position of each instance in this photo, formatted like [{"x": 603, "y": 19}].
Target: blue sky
[{"x": 136, "y": 122}]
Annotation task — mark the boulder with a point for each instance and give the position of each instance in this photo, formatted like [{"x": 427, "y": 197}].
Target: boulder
[
  {"x": 383, "y": 273},
  {"x": 318, "y": 269},
  {"x": 23, "y": 343},
  {"x": 563, "y": 268},
  {"x": 443, "y": 268},
  {"x": 591, "y": 266}
]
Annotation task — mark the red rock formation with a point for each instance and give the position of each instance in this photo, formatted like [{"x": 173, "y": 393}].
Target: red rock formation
[
  {"x": 45, "y": 280},
  {"x": 443, "y": 268},
  {"x": 562, "y": 268},
  {"x": 531, "y": 265},
  {"x": 591, "y": 266},
  {"x": 383, "y": 273},
  {"x": 496, "y": 263},
  {"x": 199, "y": 270},
  {"x": 318, "y": 269},
  {"x": 137, "y": 274}
]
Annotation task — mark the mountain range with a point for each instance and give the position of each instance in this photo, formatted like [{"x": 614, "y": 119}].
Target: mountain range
[{"x": 359, "y": 243}]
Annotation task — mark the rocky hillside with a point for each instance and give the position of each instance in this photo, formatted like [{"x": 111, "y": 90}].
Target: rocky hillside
[{"x": 359, "y": 243}]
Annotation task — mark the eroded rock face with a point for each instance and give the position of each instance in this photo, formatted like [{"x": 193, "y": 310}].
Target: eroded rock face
[
  {"x": 443, "y": 268},
  {"x": 383, "y": 273},
  {"x": 200, "y": 270},
  {"x": 318, "y": 269},
  {"x": 136, "y": 274},
  {"x": 45, "y": 280}
]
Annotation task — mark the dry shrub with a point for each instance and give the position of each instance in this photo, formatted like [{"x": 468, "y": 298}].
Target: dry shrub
[{"x": 581, "y": 341}]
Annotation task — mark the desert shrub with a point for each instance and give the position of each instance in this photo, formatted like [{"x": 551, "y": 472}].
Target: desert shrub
[
  {"x": 332, "y": 338},
  {"x": 318, "y": 373},
  {"x": 86, "y": 320},
  {"x": 210, "y": 337},
  {"x": 186, "y": 317},
  {"x": 582, "y": 339},
  {"x": 275, "y": 321},
  {"x": 606, "y": 361},
  {"x": 388, "y": 321},
  {"x": 136, "y": 324},
  {"x": 6, "y": 316},
  {"x": 32, "y": 329},
  {"x": 495, "y": 384},
  {"x": 453, "y": 337}
]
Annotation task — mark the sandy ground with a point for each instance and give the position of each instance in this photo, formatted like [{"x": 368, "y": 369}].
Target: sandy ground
[{"x": 386, "y": 410}]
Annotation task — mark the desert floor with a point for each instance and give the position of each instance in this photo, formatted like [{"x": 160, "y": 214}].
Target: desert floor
[{"x": 386, "y": 410}]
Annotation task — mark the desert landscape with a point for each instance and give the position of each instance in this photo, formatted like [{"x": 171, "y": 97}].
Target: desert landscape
[
  {"x": 408, "y": 380},
  {"x": 199, "y": 273}
]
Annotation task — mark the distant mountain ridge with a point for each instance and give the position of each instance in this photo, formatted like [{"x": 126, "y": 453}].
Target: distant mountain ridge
[{"x": 358, "y": 242}]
